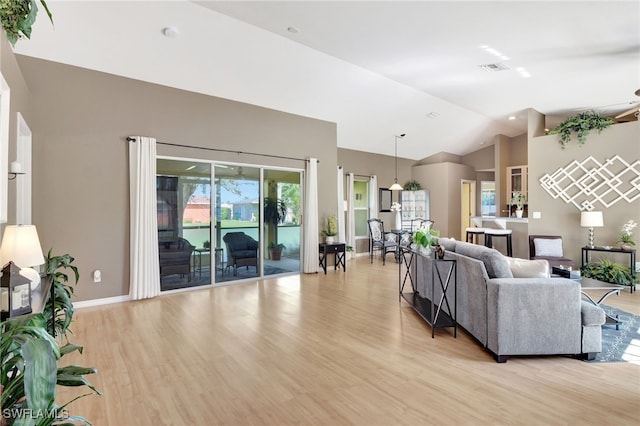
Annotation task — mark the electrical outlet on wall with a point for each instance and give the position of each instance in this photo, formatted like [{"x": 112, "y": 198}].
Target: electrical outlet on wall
[{"x": 97, "y": 276}]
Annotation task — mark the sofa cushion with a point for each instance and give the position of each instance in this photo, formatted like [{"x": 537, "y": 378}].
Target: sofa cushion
[
  {"x": 525, "y": 268},
  {"x": 551, "y": 247},
  {"x": 449, "y": 244},
  {"x": 495, "y": 263}
]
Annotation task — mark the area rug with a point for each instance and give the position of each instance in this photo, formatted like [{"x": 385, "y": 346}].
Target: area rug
[{"x": 621, "y": 345}]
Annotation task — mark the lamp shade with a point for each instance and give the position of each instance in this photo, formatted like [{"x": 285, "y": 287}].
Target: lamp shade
[
  {"x": 20, "y": 244},
  {"x": 395, "y": 187},
  {"x": 591, "y": 219}
]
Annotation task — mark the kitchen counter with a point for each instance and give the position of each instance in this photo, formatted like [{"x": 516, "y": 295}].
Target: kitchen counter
[
  {"x": 501, "y": 222},
  {"x": 520, "y": 232}
]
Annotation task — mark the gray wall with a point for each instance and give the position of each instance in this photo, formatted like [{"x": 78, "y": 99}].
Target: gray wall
[
  {"x": 81, "y": 187},
  {"x": 560, "y": 218}
]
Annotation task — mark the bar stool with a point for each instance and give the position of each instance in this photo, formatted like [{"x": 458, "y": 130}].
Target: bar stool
[
  {"x": 489, "y": 234},
  {"x": 473, "y": 235}
]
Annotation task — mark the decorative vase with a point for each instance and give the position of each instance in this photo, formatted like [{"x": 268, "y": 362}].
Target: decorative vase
[
  {"x": 625, "y": 246},
  {"x": 519, "y": 214},
  {"x": 398, "y": 220},
  {"x": 328, "y": 239}
]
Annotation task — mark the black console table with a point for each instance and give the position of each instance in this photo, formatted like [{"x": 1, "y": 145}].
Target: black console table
[
  {"x": 338, "y": 249},
  {"x": 444, "y": 272},
  {"x": 586, "y": 258}
]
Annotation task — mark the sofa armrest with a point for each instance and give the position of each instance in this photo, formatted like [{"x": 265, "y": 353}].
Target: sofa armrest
[
  {"x": 592, "y": 314},
  {"x": 529, "y": 316}
]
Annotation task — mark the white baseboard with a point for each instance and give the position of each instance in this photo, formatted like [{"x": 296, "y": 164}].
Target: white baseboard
[{"x": 99, "y": 302}]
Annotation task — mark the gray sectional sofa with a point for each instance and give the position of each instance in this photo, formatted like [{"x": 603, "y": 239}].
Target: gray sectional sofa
[{"x": 515, "y": 316}]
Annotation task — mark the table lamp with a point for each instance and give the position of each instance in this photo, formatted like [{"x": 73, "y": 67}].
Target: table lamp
[
  {"x": 21, "y": 245},
  {"x": 591, "y": 220}
]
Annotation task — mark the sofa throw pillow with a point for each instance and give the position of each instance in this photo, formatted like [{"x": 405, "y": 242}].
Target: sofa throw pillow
[
  {"x": 525, "y": 268},
  {"x": 495, "y": 263},
  {"x": 548, "y": 247},
  {"x": 449, "y": 244}
]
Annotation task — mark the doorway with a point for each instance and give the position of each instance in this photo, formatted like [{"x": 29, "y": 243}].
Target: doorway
[{"x": 468, "y": 205}]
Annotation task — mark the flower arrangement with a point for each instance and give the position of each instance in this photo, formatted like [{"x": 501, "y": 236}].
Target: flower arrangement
[
  {"x": 332, "y": 226},
  {"x": 518, "y": 198},
  {"x": 626, "y": 233},
  {"x": 425, "y": 236},
  {"x": 396, "y": 206}
]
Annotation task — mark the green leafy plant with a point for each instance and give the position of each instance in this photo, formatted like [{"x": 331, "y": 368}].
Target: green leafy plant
[
  {"x": 277, "y": 246},
  {"x": 412, "y": 185},
  {"x": 60, "y": 316},
  {"x": 426, "y": 237},
  {"x": 608, "y": 271},
  {"x": 30, "y": 356},
  {"x": 582, "y": 124},
  {"x": 275, "y": 210},
  {"x": 18, "y": 16}
]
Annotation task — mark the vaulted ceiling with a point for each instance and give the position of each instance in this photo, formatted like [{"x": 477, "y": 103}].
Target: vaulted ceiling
[{"x": 449, "y": 74}]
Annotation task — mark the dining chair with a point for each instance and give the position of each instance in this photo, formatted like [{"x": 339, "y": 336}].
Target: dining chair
[{"x": 380, "y": 240}]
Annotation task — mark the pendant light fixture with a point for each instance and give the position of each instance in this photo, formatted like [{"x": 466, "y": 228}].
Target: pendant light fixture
[{"x": 396, "y": 186}]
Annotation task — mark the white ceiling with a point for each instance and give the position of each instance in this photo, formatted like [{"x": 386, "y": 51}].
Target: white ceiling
[{"x": 375, "y": 68}]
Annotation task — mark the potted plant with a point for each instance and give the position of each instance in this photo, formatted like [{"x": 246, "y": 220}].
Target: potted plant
[
  {"x": 275, "y": 212},
  {"x": 626, "y": 235},
  {"x": 17, "y": 18},
  {"x": 582, "y": 124},
  {"x": 331, "y": 230},
  {"x": 275, "y": 250},
  {"x": 425, "y": 238},
  {"x": 608, "y": 271},
  {"x": 30, "y": 354},
  {"x": 412, "y": 185},
  {"x": 518, "y": 199}
]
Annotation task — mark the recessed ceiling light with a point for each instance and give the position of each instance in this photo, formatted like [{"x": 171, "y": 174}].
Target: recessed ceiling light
[
  {"x": 170, "y": 32},
  {"x": 512, "y": 117},
  {"x": 293, "y": 30}
]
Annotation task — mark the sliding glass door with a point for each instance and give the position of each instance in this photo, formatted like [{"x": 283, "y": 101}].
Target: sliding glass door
[
  {"x": 281, "y": 218},
  {"x": 237, "y": 222},
  {"x": 184, "y": 222},
  {"x": 255, "y": 213}
]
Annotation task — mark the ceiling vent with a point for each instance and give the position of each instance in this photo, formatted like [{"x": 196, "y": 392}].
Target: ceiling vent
[{"x": 495, "y": 67}]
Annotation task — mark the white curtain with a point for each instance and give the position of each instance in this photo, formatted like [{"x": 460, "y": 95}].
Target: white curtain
[
  {"x": 340, "y": 194},
  {"x": 144, "y": 267},
  {"x": 351, "y": 217},
  {"x": 310, "y": 218},
  {"x": 373, "y": 197}
]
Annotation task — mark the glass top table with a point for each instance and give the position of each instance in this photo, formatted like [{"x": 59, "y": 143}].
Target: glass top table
[{"x": 589, "y": 284}]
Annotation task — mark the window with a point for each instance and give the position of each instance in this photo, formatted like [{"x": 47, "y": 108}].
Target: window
[{"x": 361, "y": 207}]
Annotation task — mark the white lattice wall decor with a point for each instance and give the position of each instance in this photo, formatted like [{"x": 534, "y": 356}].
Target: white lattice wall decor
[{"x": 586, "y": 183}]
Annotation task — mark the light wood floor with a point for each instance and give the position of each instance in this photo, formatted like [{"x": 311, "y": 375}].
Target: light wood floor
[{"x": 329, "y": 350}]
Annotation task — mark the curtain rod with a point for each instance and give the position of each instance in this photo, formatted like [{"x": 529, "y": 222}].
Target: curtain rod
[
  {"x": 132, "y": 139},
  {"x": 365, "y": 176}
]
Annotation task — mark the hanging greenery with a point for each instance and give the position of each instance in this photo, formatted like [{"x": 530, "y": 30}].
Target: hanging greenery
[
  {"x": 412, "y": 185},
  {"x": 582, "y": 124},
  {"x": 18, "y": 16}
]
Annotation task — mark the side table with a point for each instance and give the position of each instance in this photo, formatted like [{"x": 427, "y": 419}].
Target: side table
[
  {"x": 338, "y": 249},
  {"x": 197, "y": 260}
]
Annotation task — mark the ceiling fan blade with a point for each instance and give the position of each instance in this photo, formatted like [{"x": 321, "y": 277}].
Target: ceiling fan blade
[{"x": 629, "y": 111}]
